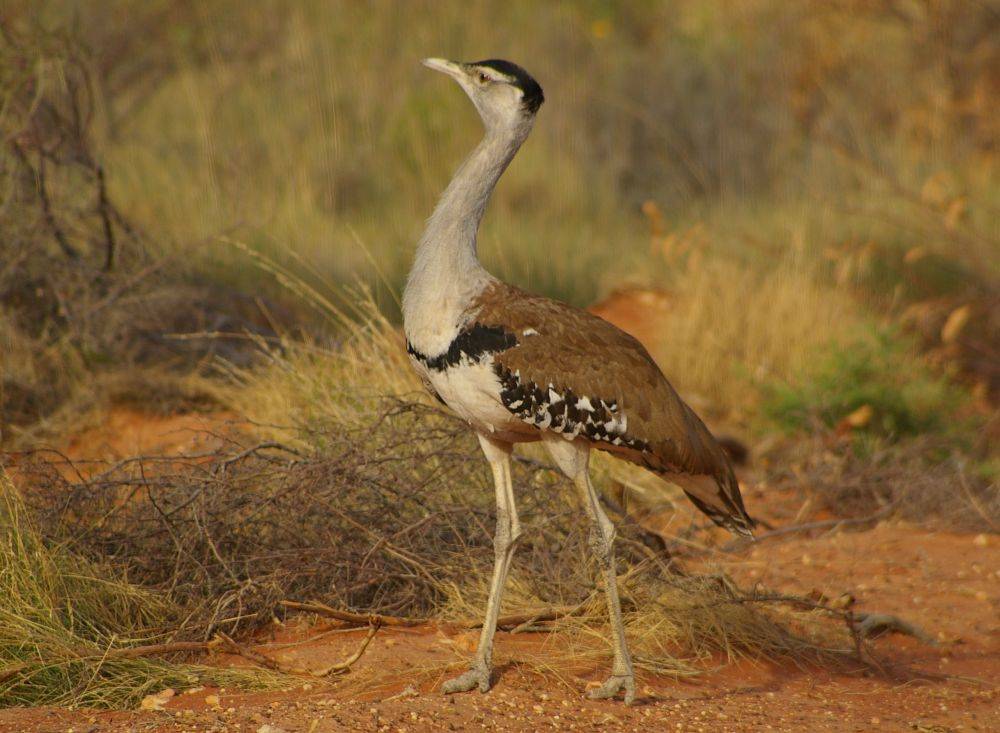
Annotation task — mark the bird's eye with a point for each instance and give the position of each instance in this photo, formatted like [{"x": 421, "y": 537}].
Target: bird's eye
[{"x": 483, "y": 78}]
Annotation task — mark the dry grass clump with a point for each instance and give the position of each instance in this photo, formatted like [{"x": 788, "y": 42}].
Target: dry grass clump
[
  {"x": 397, "y": 519},
  {"x": 65, "y": 622},
  {"x": 925, "y": 480},
  {"x": 675, "y": 622},
  {"x": 310, "y": 385},
  {"x": 362, "y": 523},
  {"x": 728, "y": 329}
]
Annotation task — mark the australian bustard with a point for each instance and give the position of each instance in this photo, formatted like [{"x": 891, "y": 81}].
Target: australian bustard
[{"x": 518, "y": 367}]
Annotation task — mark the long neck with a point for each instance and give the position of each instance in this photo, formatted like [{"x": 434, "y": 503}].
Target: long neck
[{"x": 446, "y": 267}]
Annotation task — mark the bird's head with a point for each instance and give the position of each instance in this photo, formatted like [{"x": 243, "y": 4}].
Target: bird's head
[{"x": 505, "y": 95}]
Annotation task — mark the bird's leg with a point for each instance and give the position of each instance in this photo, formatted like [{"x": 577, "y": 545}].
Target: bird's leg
[
  {"x": 573, "y": 457},
  {"x": 602, "y": 535},
  {"x": 507, "y": 532}
]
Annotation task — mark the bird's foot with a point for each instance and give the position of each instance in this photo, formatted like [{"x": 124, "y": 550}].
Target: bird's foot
[
  {"x": 614, "y": 684},
  {"x": 477, "y": 676}
]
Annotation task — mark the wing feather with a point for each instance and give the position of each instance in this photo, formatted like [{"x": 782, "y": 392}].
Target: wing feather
[{"x": 574, "y": 350}]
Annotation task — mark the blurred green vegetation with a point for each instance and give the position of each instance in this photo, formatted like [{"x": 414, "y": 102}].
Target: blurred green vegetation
[
  {"x": 309, "y": 126},
  {"x": 820, "y": 166},
  {"x": 878, "y": 376}
]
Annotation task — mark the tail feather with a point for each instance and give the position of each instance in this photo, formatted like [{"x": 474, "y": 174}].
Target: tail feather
[{"x": 720, "y": 501}]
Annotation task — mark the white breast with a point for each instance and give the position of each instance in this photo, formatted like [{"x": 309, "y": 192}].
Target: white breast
[{"x": 472, "y": 391}]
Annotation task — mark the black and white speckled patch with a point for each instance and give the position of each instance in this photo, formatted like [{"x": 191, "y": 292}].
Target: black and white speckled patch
[{"x": 548, "y": 407}]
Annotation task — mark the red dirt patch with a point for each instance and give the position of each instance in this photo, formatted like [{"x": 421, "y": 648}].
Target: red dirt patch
[
  {"x": 395, "y": 688},
  {"x": 127, "y": 432}
]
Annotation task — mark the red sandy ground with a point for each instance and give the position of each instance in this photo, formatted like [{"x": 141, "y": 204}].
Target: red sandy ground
[{"x": 946, "y": 583}]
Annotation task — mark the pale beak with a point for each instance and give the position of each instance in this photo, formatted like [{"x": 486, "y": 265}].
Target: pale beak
[{"x": 445, "y": 66}]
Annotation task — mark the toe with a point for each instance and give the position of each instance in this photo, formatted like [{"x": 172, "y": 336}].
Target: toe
[
  {"x": 629, "y": 693},
  {"x": 475, "y": 677},
  {"x": 462, "y": 683},
  {"x": 613, "y": 686}
]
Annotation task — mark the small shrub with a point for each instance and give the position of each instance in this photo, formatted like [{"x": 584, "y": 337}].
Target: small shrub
[
  {"x": 63, "y": 617},
  {"x": 879, "y": 371}
]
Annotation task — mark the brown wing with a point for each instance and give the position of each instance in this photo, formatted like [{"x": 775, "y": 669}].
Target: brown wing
[{"x": 579, "y": 356}]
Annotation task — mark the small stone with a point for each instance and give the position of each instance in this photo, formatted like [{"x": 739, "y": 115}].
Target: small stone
[
  {"x": 980, "y": 540},
  {"x": 157, "y": 700}
]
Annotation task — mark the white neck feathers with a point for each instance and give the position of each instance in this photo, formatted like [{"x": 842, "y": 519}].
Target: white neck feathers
[{"x": 446, "y": 274}]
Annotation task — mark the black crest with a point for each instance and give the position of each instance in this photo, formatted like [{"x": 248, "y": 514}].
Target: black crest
[{"x": 530, "y": 89}]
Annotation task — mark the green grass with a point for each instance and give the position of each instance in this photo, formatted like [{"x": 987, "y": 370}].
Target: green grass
[{"x": 881, "y": 370}]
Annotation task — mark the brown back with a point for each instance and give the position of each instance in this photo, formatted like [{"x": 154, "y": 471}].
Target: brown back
[{"x": 575, "y": 350}]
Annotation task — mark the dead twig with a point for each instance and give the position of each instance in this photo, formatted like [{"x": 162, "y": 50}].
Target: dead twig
[
  {"x": 874, "y": 624},
  {"x": 152, "y": 650},
  {"x": 860, "y": 626},
  {"x": 103, "y": 208},
  {"x": 43, "y": 196},
  {"x": 531, "y": 617},
  {"x": 552, "y": 614},
  {"x": 261, "y": 660},
  {"x": 511, "y": 621},
  {"x": 348, "y": 617},
  {"x": 347, "y": 663},
  {"x": 272, "y": 664},
  {"x": 812, "y": 526},
  {"x": 254, "y": 450}
]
